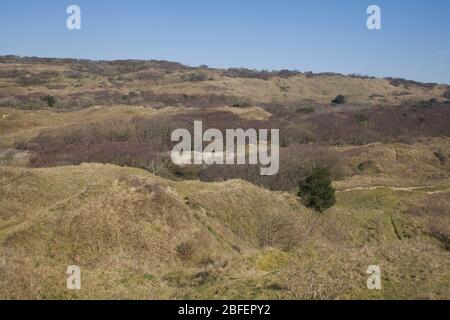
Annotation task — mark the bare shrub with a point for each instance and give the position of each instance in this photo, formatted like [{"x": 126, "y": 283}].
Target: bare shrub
[
  {"x": 385, "y": 125},
  {"x": 283, "y": 231},
  {"x": 9, "y": 102},
  {"x": 340, "y": 171},
  {"x": 369, "y": 166},
  {"x": 296, "y": 163},
  {"x": 447, "y": 94},
  {"x": 256, "y": 74},
  {"x": 443, "y": 158},
  {"x": 440, "y": 231},
  {"x": 396, "y": 82},
  {"x": 195, "y": 77},
  {"x": 198, "y": 250},
  {"x": 430, "y": 206},
  {"x": 317, "y": 281},
  {"x": 185, "y": 250},
  {"x": 72, "y": 74},
  {"x": 36, "y": 79}
]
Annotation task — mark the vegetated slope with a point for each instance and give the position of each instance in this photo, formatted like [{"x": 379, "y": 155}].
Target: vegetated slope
[
  {"x": 29, "y": 82},
  {"x": 412, "y": 153},
  {"x": 135, "y": 235}
]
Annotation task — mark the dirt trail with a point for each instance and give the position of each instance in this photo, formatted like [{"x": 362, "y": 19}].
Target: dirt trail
[{"x": 406, "y": 189}]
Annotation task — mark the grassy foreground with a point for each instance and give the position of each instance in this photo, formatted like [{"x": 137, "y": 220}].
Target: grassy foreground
[{"x": 136, "y": 235}]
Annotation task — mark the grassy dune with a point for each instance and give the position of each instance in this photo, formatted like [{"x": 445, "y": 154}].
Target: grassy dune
[{"x": 135, "y": 235}]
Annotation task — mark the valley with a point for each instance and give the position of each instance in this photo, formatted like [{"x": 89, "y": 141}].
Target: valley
[{"x": 86, "y": 179}]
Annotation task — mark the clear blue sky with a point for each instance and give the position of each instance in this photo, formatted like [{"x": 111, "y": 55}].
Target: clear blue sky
[{"x": 317, "y": 35}]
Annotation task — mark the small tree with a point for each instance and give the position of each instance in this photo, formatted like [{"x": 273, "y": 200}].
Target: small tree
[
  {"x": 50, "y": 100},
  {"x": 316, "y": 191}
]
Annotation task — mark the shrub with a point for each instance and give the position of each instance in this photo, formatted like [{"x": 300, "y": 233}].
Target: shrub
[
  {"x": 362, "y": 118},
  {"x": 316, "y": 191},
  {"x": 447, "y": 94},
  {"x": 396, "y": 82},
  {"x": 199, "y": 250},
  {"x": 368, "y": 166},
  {"x": 281, "y": 231},
  {"x": 241, "y": 104},
  {"x": 340, "y": 99},
  {"x": 196, "y": 77},
  {"x": 50, "y": 100},
  {"x": 246, "y": 73},
  {"x": 426, "y": 104},
  {"x": 9, "y": 102},
  {"x": 32, "y": 79},
  {"x": 185, "y": 250},
  {"x": 443, "y": 158},
  {"x": 315, "y": 280},
  {"x": 305, "y": 110}
]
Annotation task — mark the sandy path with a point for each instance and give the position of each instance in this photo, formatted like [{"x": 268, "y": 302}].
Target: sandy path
[{"x": 405, "y": 189}]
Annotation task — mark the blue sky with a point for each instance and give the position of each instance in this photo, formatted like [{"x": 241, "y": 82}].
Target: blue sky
[{"x": 316, "y": 35}]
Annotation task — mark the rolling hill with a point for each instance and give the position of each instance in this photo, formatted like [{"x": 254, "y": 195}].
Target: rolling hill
[{"x": 86, "y": 179}]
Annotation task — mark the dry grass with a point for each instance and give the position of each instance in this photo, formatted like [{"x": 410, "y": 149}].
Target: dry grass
[
  {"x": 164, "y": 79},
  {"x": 22, "y": 125},
  {"x": 139, "y": 236}
]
